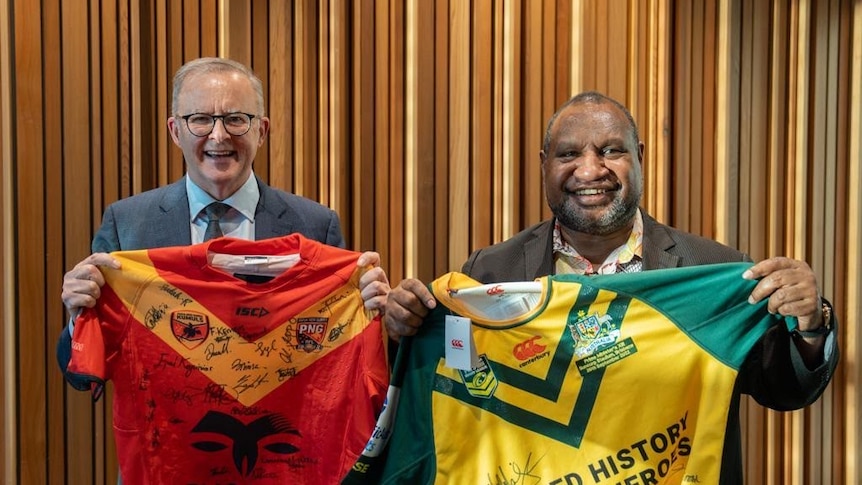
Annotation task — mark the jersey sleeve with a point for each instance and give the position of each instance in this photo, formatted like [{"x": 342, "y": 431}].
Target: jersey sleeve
[{"x": 88, "y": 364}]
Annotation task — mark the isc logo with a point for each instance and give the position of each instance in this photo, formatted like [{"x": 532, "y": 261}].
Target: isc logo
[
  {"x": 458, "y": 344},
  {"x": 528, "y": 348},
  {"x": 245, "y": 311}
]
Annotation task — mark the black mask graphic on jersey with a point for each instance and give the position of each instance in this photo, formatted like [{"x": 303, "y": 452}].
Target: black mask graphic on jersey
[{"x": 245, "y": 437}]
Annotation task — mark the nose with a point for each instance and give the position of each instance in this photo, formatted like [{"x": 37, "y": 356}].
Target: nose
[
  {"x": 590, "y": 166},
  {"x": 219, "y": 132}
]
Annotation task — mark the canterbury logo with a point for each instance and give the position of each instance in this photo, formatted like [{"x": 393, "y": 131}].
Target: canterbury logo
[
  {"x": 528, "y": 348},
  {"x": 495, "y": 290},
  {"x": 457, "y": 343},
  {"x": 245, "y": 438}
]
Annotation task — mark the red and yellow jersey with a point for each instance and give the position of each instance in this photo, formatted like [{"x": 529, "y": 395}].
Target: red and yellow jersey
[
  {"x": 623, "y": 378},
  {"x": 221, "y": 378}
]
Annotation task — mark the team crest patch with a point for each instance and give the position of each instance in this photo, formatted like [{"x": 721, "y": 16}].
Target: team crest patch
[
  {"x": 190, "y": 328},
  {"x": 480, "y": 380},
  {"x": 310, "y": 332},
  {"x": 593, "y": 333}
]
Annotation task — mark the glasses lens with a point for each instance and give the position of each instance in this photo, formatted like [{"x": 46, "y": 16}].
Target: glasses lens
[
  {"x": 236, "y": 123},
  {"x": 200, "y": 124}
]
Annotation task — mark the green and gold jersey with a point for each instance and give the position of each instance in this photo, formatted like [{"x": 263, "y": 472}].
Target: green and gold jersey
[{"x": 622, "y": 378}]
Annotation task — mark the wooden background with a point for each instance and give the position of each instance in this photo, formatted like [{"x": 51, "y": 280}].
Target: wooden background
[{"x": 420, "y": 122}]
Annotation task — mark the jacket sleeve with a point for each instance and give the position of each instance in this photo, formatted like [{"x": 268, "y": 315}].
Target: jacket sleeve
[{"x": 775, "y": 375}]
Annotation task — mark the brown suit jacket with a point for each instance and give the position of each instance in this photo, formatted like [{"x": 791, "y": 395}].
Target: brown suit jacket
[{"x": 773, "y": 374}]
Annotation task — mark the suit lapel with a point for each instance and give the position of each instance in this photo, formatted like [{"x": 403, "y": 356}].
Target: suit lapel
[
  {"x": 538, "y": 252},
  {"x": 273, "y": 216},
  {"x": 656, "y": 245},
  {"x": 174, "y": 208}
]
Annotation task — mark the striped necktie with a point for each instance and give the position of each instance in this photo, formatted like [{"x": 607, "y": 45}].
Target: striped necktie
[{"x": 214, "y": 213}]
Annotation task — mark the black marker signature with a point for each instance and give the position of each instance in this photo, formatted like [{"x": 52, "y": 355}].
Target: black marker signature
[{"x": 520, "y": 474}]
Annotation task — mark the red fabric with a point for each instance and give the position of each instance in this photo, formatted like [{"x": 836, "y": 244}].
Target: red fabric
[{"x": 217, "y": 380}]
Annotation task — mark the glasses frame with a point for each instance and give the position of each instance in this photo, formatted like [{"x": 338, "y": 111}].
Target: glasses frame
[{"x": 215, "y": 118}]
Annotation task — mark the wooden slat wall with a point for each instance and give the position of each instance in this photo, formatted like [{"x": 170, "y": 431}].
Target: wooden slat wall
[{"x": 420, "y": 122}]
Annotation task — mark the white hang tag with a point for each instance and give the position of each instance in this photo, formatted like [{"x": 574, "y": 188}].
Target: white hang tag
[{"x": 460, "y": 349}]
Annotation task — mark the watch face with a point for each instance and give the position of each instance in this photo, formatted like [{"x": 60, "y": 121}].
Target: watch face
[{"x": 826, "y": 312}]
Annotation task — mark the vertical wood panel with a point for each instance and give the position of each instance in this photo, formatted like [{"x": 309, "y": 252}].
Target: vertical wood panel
[
  {"x": 258, "y": 32},
  {"x": 512, "y": 153},
  {"x": 852, "y": 342},
  {"x": 8, "y": 457},
  {"x": 424, "y": 128},
  {"x": 339, "y": 113},
  {"x": 324, "y": 102},
  {"x": 362, "y": 99},
  {"x": 442, "y": 203},
  {"x": 481, "y": 124},
  {"x": 29, "y": 183},
  {"x": 281, "y": 102},
  {"x": 394, "y": 134},
  {"x": 459, "y": 132},
  {"x": 502, "y": 194},
  {"x": 382, "y": 200},
  {"x": 305, "y": 95},
  {"x": 532, "y": 120},
  {"x": 681, "y": 173}
]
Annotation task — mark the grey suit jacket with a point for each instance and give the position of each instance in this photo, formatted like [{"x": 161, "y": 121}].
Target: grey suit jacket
[
  {"x": 773, "y": 374},
  {"x": 160, "y": 218}
]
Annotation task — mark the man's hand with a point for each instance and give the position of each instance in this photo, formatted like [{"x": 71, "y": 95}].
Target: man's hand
[
  {"x": 373, "y": 284},
  {"x": 791, "y": 288},
  {"x": 408, "y": 304},
  {"x": 82, "y": 285}
]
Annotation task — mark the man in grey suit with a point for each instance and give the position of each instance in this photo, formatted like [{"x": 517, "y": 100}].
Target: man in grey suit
[
  {"x": 218, "y": 121},
  {"x": 591, "y": 166}
]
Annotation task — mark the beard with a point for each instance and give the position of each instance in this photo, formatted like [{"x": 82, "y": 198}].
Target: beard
[{"x": 612, "y": 219}]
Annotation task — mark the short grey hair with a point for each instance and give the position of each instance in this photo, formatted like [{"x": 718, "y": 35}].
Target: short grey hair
[{"x": 207, "y": 65}]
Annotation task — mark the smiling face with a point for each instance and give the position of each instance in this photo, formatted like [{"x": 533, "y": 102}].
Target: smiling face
[
  {"x": 219, "y": 163},
  {"x": 592, "y": 169}
]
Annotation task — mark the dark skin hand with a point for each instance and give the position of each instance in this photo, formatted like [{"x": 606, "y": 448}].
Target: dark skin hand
[
  {"x": 791, "y": 288},
  {"x": 407, "y": 305}
]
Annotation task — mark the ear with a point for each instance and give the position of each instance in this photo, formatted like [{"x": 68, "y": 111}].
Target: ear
[
  {"x": 641, "y": 152},
  {"x": 263, "y": 130},
  {"x": 174, "y": 129}
]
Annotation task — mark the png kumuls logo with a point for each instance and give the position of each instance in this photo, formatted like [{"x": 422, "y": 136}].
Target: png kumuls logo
[
  {"x": 190, "y": 328},
  {"x": 310, "y": 332}
]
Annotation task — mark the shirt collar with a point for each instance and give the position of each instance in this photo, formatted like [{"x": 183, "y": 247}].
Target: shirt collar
[
  {"x": 244, "y": 200},
  {"x": 626, "y": 258}
]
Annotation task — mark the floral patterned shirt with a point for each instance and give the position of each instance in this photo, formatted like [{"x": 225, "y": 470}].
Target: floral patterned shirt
[{"x": 624, "y": 259}]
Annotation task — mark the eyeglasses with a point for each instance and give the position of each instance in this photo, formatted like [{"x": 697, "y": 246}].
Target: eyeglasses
[{"x": 202, "y": 124}]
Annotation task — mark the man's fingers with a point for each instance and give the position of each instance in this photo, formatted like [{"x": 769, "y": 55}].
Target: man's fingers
[
  {"x": 789, "y": 285},
  {"x": 376, "y": 277},
  {"x": 406, "y": 306},
  {"x": 415, "y": 289},
  {"x": 369, "y": 258}
]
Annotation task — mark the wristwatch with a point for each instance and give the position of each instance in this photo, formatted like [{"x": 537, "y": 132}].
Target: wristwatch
[{"x": 823, "y": 329}]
